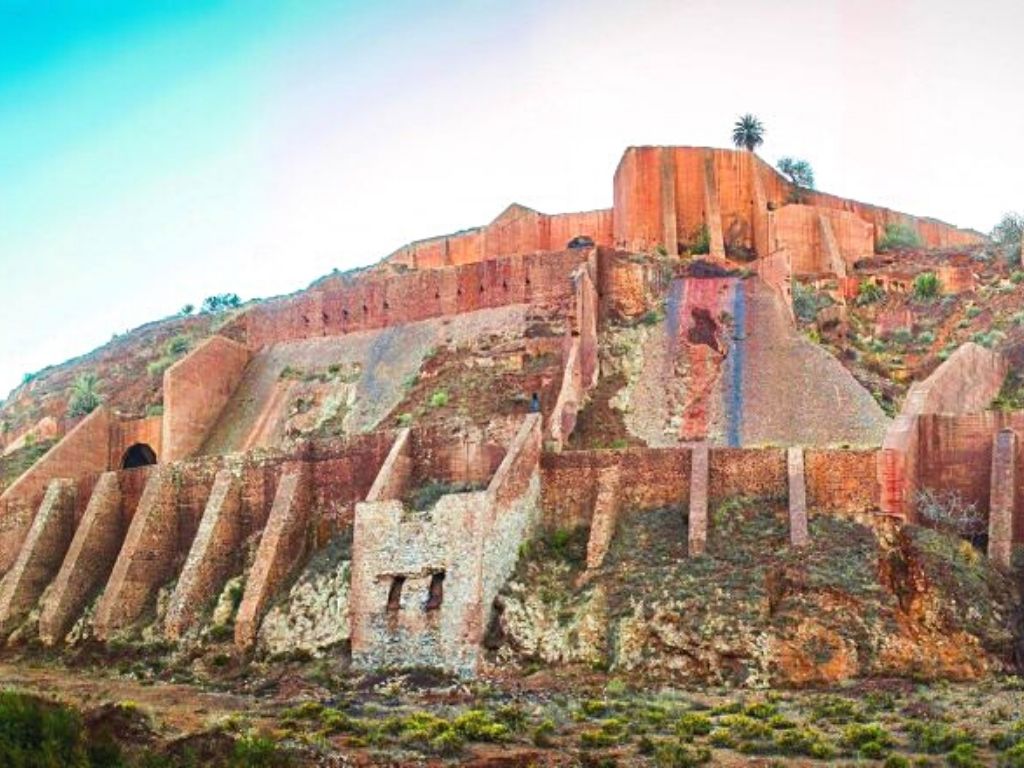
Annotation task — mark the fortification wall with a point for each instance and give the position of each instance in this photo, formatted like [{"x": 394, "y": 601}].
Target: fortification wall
[
  {"x": 838, "y": 481},
  {"x": 799, "y": 229},
  {"x": 340, "y": 305},
  {"x": 196, "y": 389},
  {"x": 518, "y": 230},
  {"x": 661, "y": 198}
]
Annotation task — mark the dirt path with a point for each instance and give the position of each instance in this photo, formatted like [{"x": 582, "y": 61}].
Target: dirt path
[
  {"x": 177, "y": 708},
  {"x": 781, "y": 388}
]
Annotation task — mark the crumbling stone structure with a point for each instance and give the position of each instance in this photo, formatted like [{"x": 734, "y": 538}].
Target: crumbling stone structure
[{"x": 122, "y": 510}]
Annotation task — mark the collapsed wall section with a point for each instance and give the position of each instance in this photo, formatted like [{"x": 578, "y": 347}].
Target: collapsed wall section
[{"x": 423, "y": 581}]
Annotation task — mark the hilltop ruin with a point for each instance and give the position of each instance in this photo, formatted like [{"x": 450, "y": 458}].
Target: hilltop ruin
[{"x": 438, "y": 410}]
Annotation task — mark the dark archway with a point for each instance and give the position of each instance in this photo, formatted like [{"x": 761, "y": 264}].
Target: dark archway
[{"x": 138, "y": 455}]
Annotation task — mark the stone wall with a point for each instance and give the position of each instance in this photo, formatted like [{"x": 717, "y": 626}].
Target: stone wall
[
  {"x": 85, "y": 450},
  {"x": 661, "y": 198},
  {"x": 517, "y": 230},
  {"x": 423, "y": 582},
  {"x": 128, "y": 432},
  {"x": 341, "y": 305},
  {"x": 196, "y": 389},
  {"x": 804, "y": 232},
  {"x": 842, "y": 480},
  {"x": 966, "y": 382}
]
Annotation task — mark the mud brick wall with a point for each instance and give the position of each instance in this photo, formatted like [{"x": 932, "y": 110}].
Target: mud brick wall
[
  {"x": 517, "y": 230},
  {"x": 342, "y": 305},
  {"x": 954, "y": 452},
  {"x": 753, "y": 472},
  {"x": 84, "y": 451},
  {"x": 649, "y": 478},
  {"x": 196, "y": 389},
  {"x": 125, "y": 434},
  {"x": 841, "y": 481},
  {"x": 661, "y": 198}
]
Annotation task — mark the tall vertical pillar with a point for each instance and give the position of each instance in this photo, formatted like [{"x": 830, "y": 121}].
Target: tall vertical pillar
[
  {"x": 1002, "y": 498},
  {"x": 697, "y": 527},
  {"x": 797, "y": 497}
]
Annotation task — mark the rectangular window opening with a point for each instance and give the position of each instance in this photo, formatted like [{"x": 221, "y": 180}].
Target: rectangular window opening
[
  {"x": 395, "y": 593},
  {"x": 435, "y": 596}
]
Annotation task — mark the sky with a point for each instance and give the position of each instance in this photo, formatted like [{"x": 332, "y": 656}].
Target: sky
[{"x": 155, "y": 153}]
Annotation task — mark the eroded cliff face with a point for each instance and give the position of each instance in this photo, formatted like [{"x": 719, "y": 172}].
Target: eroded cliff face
[{"x": 859, "y": 601}]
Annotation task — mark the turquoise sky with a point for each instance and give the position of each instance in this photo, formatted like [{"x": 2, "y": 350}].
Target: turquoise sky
[{"x": 153, "y": 153}]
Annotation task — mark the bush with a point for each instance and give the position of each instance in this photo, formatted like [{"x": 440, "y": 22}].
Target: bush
[
  {"x": 221, "y": 302},
  {"x": 899, "y": 236},
  {"x": 178, "y": 345},
  {"x": 84, "y": 397},
  {"x": 868, "y": 293},
  {"x": 701, "y": 241},
  {"x": 36, "y": 733},
  {"x": 927, "y": 286},
  {"x": 674, "y": 754},
  {"x": 807, "y": 302},
  {"x": 439, "y": 398}
]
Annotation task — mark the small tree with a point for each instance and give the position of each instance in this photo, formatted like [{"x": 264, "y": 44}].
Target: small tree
[
  {"x": 1009, "y": 232},
  {"x": 220, "y": 303},
  {"x": 748, "y": 132},
  {"x": 187, "y": 310},
  {"x": 84, "y": 397},
  {"x": 799, "y": 172}
]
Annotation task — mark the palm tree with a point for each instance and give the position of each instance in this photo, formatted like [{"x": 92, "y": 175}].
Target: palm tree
[
  {"x": 84, "y": 397},
  {"x": 748, "y": 132}
]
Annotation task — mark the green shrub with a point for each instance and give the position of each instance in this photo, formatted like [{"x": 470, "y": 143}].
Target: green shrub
[
  {"x": 675, "y": 754},
  {"x": 804, "y": 741},
  {"x": 927, "y": 286},
  {"x": 178, "y": 345},
  {"x": 1013, "y": 757},
  {"x": 84, "y": 396},
  {"x": 693, "y": 724},
  {"x": 936, "y": 738},
  {"x": 701, "y": 241},
  {"x": 964, "y": 755},
  {"x": 899, "y": 236},
  {"x": 439, "y": 398},
  {"x": 37, "y": 733},
  {"x": 543, "y": 733},
  {"x": 868, "y": 293},
  {"x": 896, "y": 761},
  {"x": 807, "y": 302}
]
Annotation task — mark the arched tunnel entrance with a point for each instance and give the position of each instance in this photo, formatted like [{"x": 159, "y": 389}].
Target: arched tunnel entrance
[{"x": 138, "y": 455}]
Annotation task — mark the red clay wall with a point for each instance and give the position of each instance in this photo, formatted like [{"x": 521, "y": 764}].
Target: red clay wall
[
  {"x": 196, "y": 389},
  {"x": 338, "y": 305},
  {"x": 954, "y": 452},
  {"x": 660, "y": 198},
  {"x": 517, "y": 231},
  {"x": 841, "y": 481},
  {"x": 798, "y": 229},
  {"x": 85, "y": 450},
  {"x": 125, "y": 434}
]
